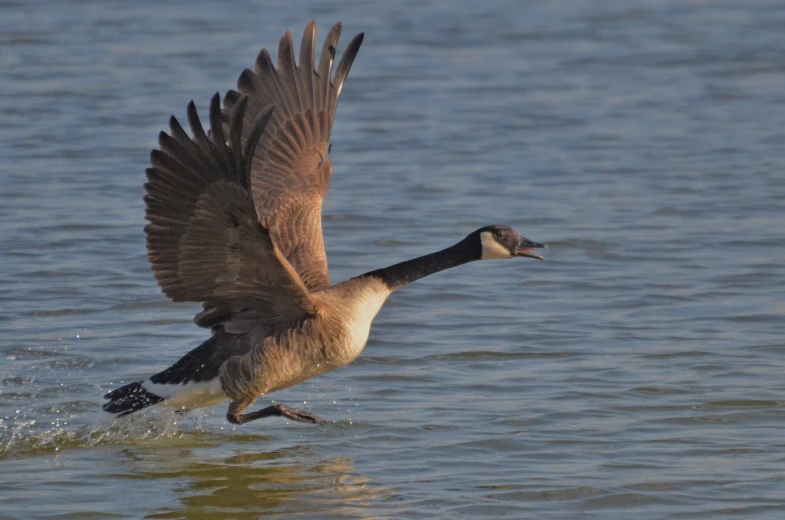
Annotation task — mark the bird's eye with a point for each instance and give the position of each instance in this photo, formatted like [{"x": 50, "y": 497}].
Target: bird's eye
[{"x": 501, "y": 234}]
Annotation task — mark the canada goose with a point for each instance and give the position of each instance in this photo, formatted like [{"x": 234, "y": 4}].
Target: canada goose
[{"x": 235, "y": 223}]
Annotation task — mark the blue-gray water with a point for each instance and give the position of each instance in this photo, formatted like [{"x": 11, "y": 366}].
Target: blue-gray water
[{"x": 637, "y": 373}]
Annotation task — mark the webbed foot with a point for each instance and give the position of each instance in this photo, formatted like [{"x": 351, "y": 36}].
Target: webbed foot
[{"x": 234, "y": 416}]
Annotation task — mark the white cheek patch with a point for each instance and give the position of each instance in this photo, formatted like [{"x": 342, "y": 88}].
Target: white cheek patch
[{"x": 491, "y": 249}]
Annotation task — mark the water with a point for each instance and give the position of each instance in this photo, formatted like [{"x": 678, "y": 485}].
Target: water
[{"x": 637, "y": 373}]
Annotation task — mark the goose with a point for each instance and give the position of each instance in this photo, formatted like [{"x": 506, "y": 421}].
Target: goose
[{"x": 234, "y": 223}]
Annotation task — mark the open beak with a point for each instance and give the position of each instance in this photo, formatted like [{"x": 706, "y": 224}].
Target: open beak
[{"x": 526, "y": 246}]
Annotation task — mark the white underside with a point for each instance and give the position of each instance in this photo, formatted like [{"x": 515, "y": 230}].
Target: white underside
[{"x": 188, "y": 395}]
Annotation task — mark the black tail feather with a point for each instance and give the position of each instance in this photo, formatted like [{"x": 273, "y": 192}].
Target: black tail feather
[{"x": 129, "y": 398}]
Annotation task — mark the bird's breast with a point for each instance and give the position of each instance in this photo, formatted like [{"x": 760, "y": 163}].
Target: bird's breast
[
  {"x": 325, "y": 343},
  {"x": 346, "y": 321},
  {"x": 357, "y": 324}
]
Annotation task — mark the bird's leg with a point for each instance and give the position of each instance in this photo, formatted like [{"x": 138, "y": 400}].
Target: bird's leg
[{"x": 234, "y": 416}]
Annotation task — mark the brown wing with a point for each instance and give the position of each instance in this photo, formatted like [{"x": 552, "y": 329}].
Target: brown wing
[
  {"x": 290, "y": 174},
  {"x": 204, "y": 240}
]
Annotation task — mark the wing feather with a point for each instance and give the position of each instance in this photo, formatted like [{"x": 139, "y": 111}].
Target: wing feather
[
  {"x": 204, "y": 238},
  {"x": 291, "y": 170}
]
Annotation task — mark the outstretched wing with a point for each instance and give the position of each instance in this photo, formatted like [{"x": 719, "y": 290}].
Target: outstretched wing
[
  {"x": 204, "y": 240},
  {"x": 290, "y": 173}
]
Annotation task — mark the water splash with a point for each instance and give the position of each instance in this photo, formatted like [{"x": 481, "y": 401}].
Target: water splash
[{"x": 23, "y": 436}]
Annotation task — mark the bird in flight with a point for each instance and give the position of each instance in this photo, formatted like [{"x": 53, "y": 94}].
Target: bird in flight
[{"x": 235, "y": 223}]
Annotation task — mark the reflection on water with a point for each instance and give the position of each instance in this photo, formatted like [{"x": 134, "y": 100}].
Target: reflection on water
[
  {"x": 207, "y": 474},
  {"x": 250, "y": 483}
]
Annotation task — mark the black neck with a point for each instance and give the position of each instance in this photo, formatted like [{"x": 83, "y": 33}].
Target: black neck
[{"x": 409, "y": 271}]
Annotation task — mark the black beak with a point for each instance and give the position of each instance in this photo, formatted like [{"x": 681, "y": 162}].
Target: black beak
[{"x": 525, "y": 247}]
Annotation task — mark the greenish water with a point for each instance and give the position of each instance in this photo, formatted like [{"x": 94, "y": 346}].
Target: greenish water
[{"x": 637, "y": 373}]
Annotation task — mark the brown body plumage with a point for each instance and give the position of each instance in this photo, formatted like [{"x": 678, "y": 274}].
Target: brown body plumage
[
  {"x": 330, "y": 339},
  {"x": 235, "y": 223}
]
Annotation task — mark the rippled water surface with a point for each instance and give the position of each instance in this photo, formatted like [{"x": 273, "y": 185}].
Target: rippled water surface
[{"x": 637, "y": 373}]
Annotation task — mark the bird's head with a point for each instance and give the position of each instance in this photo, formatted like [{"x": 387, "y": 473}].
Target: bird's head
[{"x": 498, "y": 242}]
